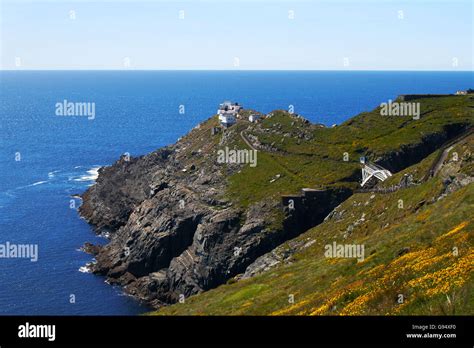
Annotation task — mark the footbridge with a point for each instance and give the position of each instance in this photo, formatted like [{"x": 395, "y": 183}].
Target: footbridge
[{"x": 370, "y": 170}]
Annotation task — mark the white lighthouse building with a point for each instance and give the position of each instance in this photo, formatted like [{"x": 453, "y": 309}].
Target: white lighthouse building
[{"x": 228, "y": 112}]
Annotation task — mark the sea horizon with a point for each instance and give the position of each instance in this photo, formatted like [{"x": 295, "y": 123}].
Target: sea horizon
[{"x": 239, "y": 69}]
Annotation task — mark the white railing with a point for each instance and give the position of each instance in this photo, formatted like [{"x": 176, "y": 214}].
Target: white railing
[{"x": 370, "y": 170}]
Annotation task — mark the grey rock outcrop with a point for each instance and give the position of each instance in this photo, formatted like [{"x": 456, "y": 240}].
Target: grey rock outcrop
[{"x": 172, "y": 232}]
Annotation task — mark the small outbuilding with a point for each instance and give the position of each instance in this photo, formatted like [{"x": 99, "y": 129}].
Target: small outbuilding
[
  {"x": 254, "y": 117},
  {"x": 227, "y": 119}
]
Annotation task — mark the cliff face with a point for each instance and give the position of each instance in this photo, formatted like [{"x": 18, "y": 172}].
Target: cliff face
[
  {"x": 311, "y": 207},
  {"x": 408, "y": 251},
  {"x": 119, "y": 189},
  {"x": 180, "y": 223},
  {"x": 409, "y": 154},
  {"x": 172, "y": 232}
]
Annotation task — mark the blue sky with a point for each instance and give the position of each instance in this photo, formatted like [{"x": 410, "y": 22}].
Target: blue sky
[{"x": 231, "y": 35}]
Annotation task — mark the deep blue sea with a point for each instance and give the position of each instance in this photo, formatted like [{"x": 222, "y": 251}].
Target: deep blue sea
[{"x": 45, "y": 158}]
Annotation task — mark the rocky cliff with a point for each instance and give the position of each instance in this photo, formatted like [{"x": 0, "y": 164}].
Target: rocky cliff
[
  {"x": 172, "y": 231},
  {"x": 180, "y": 223}
]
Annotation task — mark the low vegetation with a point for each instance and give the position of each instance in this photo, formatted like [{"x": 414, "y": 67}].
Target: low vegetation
[{"x": 417, "y": 241}]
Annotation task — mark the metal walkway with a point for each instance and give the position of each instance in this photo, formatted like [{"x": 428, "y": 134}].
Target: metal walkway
[{"x": 370, "y": 170}]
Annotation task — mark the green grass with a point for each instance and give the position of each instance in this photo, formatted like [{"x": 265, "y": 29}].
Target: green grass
[
  {"x": 318, "y": 162},
  {"x": 316, "y": 281},
  {"x": 431, "y": 278}
]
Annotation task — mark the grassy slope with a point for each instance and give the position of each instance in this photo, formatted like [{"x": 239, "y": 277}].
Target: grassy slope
[
  {"x": 319, "y": 161},
  {"x": 431, "y": 278}
]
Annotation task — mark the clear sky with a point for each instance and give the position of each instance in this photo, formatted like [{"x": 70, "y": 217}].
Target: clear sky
[{"x": 230, "y": 35}]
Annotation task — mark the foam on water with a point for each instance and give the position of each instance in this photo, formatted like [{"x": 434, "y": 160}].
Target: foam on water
[
  {"x": 92, "y": 175},
  {"x": 85, "y": 269},
  {"x": 38, "y": 183}
]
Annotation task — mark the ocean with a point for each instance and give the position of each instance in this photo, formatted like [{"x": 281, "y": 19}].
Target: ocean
[{"x": 45, "y": 159}]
